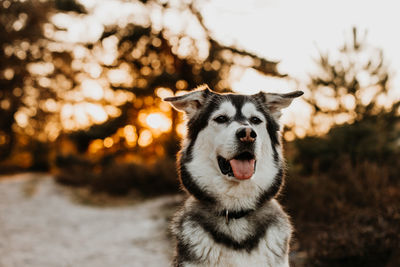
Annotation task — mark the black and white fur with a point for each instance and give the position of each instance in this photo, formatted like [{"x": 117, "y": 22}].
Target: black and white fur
[{"x": 227, "y": 221}]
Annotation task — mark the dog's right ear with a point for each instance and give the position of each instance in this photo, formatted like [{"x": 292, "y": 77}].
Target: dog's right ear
[{"x": 190, "y": 102}]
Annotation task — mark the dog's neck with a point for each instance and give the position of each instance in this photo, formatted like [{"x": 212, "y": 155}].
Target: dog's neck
[
  {"x": 218, "y": 210},
  {"x": 234, "y": 214}
]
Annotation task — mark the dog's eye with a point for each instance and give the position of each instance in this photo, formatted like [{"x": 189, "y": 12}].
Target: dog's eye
[
  {"x": 255, "y": 120},
  {"x": 221, "y": 119}
]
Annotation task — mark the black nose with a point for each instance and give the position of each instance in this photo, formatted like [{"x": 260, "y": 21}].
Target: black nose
[{"x": 246, "y": 134}]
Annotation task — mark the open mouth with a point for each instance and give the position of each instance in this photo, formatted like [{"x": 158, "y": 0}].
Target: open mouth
[{"x": 242, "y": 166}]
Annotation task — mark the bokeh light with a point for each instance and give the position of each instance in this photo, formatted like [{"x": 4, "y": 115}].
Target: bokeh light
[
  {"x": 108, "y": 142},
  {"x": 159, "y": 121},
  {"x": 145, "y": 138},
  {"x": 130, "y": 135}
]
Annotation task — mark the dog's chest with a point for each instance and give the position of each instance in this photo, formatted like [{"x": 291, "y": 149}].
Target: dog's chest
[
  {"x": 223, "y": 256},
  {"x": 211, "y": 252}
]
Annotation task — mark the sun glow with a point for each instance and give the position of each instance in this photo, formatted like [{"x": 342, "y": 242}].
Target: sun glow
[{"x": 159, "y": 121}]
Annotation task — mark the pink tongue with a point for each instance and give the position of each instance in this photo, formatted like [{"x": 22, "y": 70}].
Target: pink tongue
[{"x": 242, "y": 169}]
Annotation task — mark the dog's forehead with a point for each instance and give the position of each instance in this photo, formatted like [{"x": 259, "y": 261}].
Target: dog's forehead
[
  {"x": 249, "y": 109},
  {"x": 227, "y": 108},
  {"x": 232, "y": 105}
]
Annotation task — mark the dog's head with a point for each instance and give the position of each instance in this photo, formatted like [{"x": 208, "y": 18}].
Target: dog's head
[{"x": 232, "y": 139}]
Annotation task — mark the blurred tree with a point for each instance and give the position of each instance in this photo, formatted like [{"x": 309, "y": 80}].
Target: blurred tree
[
  {"x": 67, "y": 69},
  {"x": 141, "y": 59},
  {"x": 348, "y": 86},
  {"x": 20, "y": 44},
  {"x": 29, "y": 96}
]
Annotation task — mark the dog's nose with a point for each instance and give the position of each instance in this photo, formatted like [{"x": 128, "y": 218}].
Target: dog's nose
[{"x": 246, "y": 134}]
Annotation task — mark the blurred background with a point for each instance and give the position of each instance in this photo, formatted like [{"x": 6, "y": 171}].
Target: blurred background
[{"x": 81, "y": 83}]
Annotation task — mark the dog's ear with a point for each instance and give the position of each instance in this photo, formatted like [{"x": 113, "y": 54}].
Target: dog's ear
[
  {"x": 276, "y": 102},
  {"x": 190, "y": 102}
]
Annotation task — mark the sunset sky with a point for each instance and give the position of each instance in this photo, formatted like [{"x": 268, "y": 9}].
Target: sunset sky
[{"x": 293, "y": 31}]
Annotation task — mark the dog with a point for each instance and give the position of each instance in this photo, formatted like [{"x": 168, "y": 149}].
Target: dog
[{"x": 232, "y": 168}]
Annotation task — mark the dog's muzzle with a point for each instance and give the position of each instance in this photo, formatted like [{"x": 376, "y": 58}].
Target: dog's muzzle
[{"x": 242, "y": 166}]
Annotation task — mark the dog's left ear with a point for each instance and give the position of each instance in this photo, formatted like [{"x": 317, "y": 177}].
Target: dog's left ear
[
  {"x": 190, "y": 102},
  {"x": 276, "y": 102}
]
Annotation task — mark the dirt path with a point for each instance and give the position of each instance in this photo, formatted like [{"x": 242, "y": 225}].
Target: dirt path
[{"x": 40, "y": 225}]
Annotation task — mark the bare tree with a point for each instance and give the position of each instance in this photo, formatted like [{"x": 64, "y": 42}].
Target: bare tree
[{"x": 350, "y": 85}]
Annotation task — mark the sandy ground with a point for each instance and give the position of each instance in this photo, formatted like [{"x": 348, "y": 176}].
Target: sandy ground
[{"x": 42, "y": 225}]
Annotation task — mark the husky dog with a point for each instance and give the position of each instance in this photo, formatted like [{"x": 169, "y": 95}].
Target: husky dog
[{"x": 232, "y": 168}]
